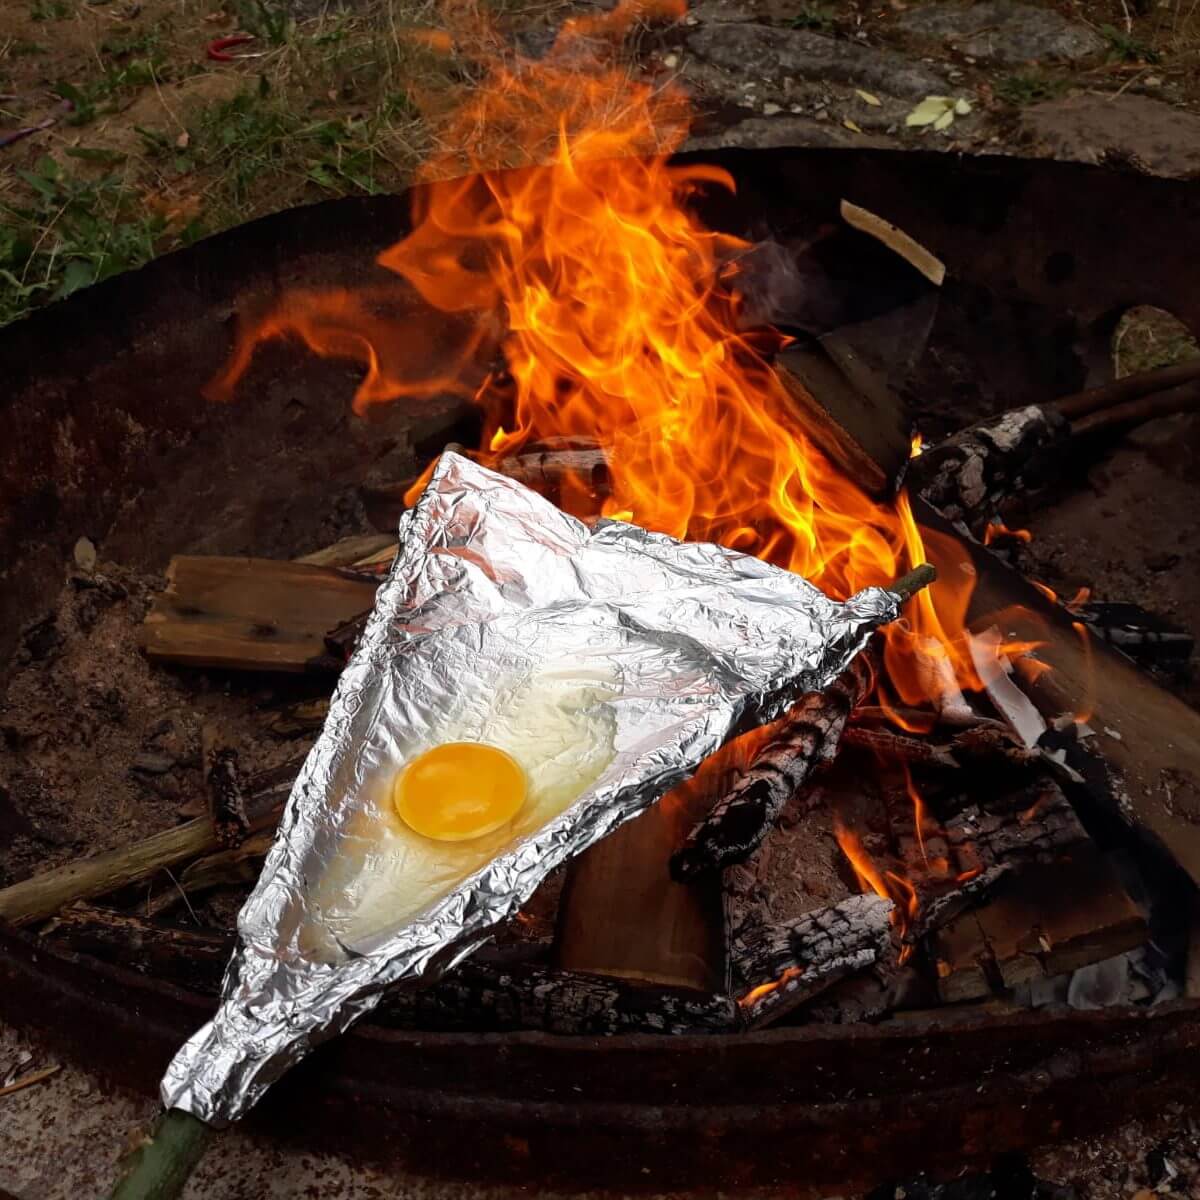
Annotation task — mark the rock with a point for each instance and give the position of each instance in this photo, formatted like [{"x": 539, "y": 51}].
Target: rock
[
  {"x": 85, "y": 555},
  {"x": 765, "y": 132},
  {"x": 1132, "y": 131},
  {"x": 774, "y": 53},
  {"x": 1002, "y": 31},
  {"x": 149, "y": 763}
]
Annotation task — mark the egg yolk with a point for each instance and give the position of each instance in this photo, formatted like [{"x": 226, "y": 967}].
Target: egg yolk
[{"x": 459, "y": 791}]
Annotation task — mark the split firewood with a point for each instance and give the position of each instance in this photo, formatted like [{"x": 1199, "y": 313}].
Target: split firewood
[
  {"x": 226, "y": 804},
  {"x": 43, "y": 895},
  {"x": 796, "y": 747},
  {"x": 802, "y": 959},
  {"x": 1044, "y": 921},
  {"x": 251, "y": 613},
  {"x": 349, "y": 551}
]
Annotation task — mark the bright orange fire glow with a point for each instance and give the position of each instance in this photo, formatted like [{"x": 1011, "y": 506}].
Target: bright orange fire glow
[
  {"x": 616, "y": 314},
  {"x": 765, "y": 989},
  {"x": 997, "y": 529}
]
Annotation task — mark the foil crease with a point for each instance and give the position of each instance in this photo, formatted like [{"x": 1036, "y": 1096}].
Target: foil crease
[{"x": 697, "y": 643}]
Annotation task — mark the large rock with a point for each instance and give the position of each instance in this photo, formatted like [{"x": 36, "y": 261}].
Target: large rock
[
  {"x": 1133, "y": 131},
  {"x": 1002, "y": 31},
  {"x": 768, "y": 52}
]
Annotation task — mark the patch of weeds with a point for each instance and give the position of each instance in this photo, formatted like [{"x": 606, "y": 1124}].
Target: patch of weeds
[
  {"x": 1029, "y": 87},
  {"x": 66, "y": 232},
  {"x": 814, "y": 16},
  {"x": 268, "y": 20},
  {"x": 51, "y": 10},
  {"x": 1124, "y": 47},
  {"x": 100, "y": 95}
]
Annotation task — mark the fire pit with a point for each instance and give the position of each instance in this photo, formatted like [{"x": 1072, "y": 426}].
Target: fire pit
[{"x": 113, "y": 443}]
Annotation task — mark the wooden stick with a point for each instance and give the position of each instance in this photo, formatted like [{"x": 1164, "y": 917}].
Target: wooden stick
[
  {"x": 43, "y": 895},
  {"x": 896, "y": 240},
  {"x": 30, "y": 1079},
  {"x": 907, "y": 586},
  {"x": 160, "y": 1167},
  {"x": 1131, "y": 413},
  {"x": 1131, "y": 387}
]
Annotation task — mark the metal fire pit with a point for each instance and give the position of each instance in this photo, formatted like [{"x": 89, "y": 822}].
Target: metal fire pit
[{"x": 106, "y": 432}]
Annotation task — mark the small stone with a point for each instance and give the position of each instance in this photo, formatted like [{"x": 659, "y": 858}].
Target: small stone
[
  {"x": 85, "y": 555},
  {"x": 769, "y": 110},
  {"x": 149, "y": 763},
  {"x": 671, "y": 61}
]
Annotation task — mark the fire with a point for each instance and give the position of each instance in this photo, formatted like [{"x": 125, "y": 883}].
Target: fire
[{"x": 617, "y": 318}]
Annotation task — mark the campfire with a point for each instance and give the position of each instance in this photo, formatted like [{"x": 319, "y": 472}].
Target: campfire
[{"x": 990, "y": 811}]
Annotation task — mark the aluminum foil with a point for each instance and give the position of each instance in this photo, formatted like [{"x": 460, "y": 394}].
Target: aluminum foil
[{"x": 610, "y": 661}]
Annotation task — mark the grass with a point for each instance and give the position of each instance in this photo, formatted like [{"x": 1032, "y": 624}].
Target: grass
[
  {"x": 820, "y": 17},
  {"x": 1029, "y": 87},
  {"x": 1125, "y": 47}
]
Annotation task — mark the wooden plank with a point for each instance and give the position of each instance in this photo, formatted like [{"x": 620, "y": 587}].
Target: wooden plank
[
  {"x": 251, "y": 613},
  {"x": 622, "y": 915}
]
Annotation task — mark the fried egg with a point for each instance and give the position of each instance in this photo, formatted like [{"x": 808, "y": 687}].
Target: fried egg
[{"x": 488, "y": 780}]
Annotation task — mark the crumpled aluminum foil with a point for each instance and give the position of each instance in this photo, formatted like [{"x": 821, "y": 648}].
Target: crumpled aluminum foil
[{"x": 680, "y": 647}]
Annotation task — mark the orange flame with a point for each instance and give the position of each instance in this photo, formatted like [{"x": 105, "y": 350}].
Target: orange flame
[{"x": 997, "y": 529}]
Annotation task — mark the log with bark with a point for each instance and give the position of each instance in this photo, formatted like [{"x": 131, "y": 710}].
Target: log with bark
[{"x": 42, "y": 896}]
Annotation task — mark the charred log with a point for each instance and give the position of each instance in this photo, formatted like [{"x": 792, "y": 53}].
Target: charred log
[{"x": 803, "y": 742}]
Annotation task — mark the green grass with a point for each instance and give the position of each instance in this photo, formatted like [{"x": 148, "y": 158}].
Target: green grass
[
  {"x": 814, "y": 16},
  {"x": 1124, "y": 47},
  {"x": 71, "y": 231},
  {"x": 1029, "y": 87}
]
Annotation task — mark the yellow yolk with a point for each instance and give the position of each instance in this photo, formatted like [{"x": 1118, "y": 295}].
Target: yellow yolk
[{"x": 458, "y": 791}]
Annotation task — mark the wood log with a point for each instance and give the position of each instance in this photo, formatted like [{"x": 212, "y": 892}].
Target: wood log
[
  {"x": 1120, "y": 418},
  {"x": 1147, "y": 743},
  {"x": 968, "y": 475},
  {"x": 802, "y": 959},
  {"x": 1044, "y": 921},
  {"x": 42, "y": 896},
  {"x": 1129, "y": 387},
  {"x": 251, "y": 613},
  {"x": 804, "y": 741},
  {"x": 623, "y": 915}
]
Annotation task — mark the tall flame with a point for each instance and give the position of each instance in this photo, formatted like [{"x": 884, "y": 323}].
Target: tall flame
[{"x": 622, "y": 319}]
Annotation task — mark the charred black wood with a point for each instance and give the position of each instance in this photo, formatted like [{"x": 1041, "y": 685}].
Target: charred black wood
[
  {"x": 804, "y": 741},
  {"x": 491, "y": 998},
  {"x": 796, "y": 962},
  {"x": 227, "y": 804},
  {"x": 970, "y": 474},
  {"x": 1145, "y": 637}
]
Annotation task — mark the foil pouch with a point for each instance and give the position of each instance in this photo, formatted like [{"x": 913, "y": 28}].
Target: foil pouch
[{"x": 608, "y": 661}]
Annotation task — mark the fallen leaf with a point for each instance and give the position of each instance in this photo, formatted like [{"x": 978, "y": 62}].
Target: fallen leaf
[
  {"x": 182, "y": 140},
  {"x": 867, "y": 98},
  {"x": 962, "y": 107},
  {"x": 945, "y": 120},
  {"x": 849, "y": 124},
  {"x": 931, "y": 109}
]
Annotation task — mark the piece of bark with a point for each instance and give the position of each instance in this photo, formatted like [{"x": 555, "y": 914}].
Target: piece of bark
[
  {"x": 349, "y": 551},
  {"x": 896, "y": 240},
  {"x": 226, "y": 804},
  {"x": 1045, "y": 920},
  {"x": 623, "y": 915},
  {"x": 971, "y": 473},
  {"x": 251, "y": 613},
  {"x": 43, "y": 895},
  {"x": 802, "y": 959},
  {"x": 803, "y": 741}
]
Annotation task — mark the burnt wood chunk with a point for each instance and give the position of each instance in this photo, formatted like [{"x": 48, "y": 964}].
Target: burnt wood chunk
[
  {"x": 251, "y": 613},
  {"x": 799, "y": 961},
  {"x": 1046, "y": 920},
  {"x": 970, "y": 474},
  {"x": 804, "y": 740},
  {"x": 226, "y": 803}
]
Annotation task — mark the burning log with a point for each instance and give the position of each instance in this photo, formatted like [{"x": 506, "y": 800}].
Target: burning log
[
  {"x": 43, "y": 895},
  {"x": 251, "y": 613},
  {"x": 804, "y": 741},
  {"x": 802, "y": 959}
]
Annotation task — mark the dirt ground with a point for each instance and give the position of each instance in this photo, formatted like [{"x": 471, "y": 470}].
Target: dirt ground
[{"x": 151, "y": 141}]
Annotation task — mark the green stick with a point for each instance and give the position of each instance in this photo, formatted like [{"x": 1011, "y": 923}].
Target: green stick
[{"x": 158, "y": 1169}]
